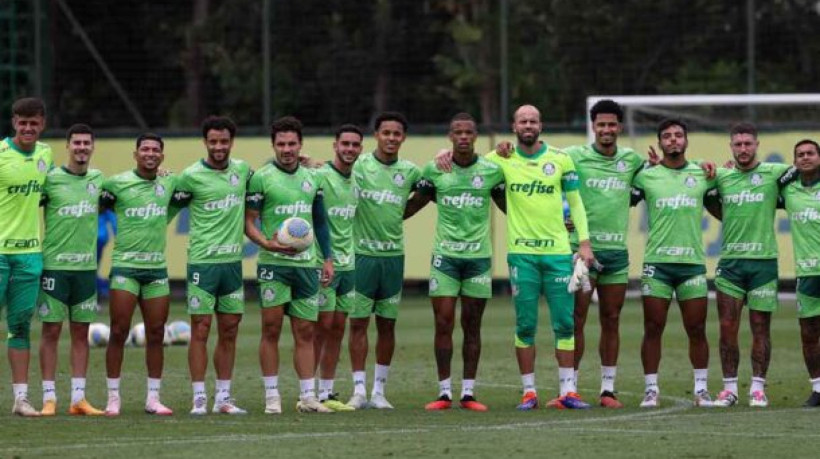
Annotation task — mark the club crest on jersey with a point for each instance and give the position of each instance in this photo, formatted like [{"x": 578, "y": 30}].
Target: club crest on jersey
[
  {"x": 306, "y": 186},
  {"x": 646, "y": 289},
  {"x": 478, "y": 181},
  {"x": 194, "y": 302},
  {"x": 43, "y": 309},
  {"x": 756, "y": 179},
  {"x": 398, "y": 179},
  {"x": 91, "y": 189},
  {"x": 690, "y": 181},
  {"x": 548, "y": 169},
  {"x": 433, "y": 284},
  {"x": 159, "y": 190},
  {"x": 620, "y": 166},
  {"x": 268, "y": 294},
  {"x": 41, "y": 165},
  {"x": 321, "y": 299},
  {"x": 233, "y": 179}
]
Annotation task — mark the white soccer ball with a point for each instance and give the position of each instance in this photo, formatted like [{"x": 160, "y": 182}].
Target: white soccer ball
[
  {"x": 137, "y": 336},
  {"x": 180, "y": 332},
  {"x": 98, "y": 334},
  {"x": 296, "y": 232}
]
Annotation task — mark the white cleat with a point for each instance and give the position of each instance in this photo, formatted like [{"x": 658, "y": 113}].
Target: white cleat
[
  {"x": 703, "y": 399},
  {"x": 379, "y": 402},
  {"x": 113, "y": 406},
  {"x": 200, "y": 407},
  {"x": 227, "y": 406},
  {"x": 273, "y": 405},
  {"x": 725, "y": 399},
  {"x": 311, "y": 405},
  {"x": 22, "y": 407},
  {"x": 155, "y": 407},
  {"x": 758, "y": 399},
  {"x": 357, "y": 402},
  {"x": 650, "y": 399}
]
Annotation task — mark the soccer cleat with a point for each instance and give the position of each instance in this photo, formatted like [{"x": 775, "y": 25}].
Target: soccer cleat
[
  {"x": 334, "y": 404},
  {"x": 608, "y": 400},
  {"x": 357, "y": 402},
  {"x": 311, "y": 405},
  {"x": 468, "y": 402},
  {"x": 22, "y": 407},
  {"x": 725, "y": 399},
  {"x": 227, "y": 406},
  {"x": 758, "y": 399},
  {"x": 813, "y": 400},
  {"x": 650, "y": 399},
  {"x": 703, "y": 399},
  {"x": 83, "y": 408},
  {"x": 443, "y": 402},
  {"x": 200, "y": 407},
  {"x": 112, "y": 408},
  {"x": 49, "y": 408},
  {"x": 154, "y": 406},
  {"x": 273, "y": 405},
  {"x": 570, "y": 401},
  {"x": 529, "y": 401},
  {"x": 379, "y": 402}
]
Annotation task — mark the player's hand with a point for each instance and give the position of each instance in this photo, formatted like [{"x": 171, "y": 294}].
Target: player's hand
[
  {"x": 444, "y": 160},
  {"x": 654, "y": 158},
  {"x": 327, "y": 273},
  {"x": 580, "y": 276},
  {"x": 162, "y": 172},
  {"x": 729, "y": 164},
  {"x": 710, "y": 169},
  {"x": 504, "y": 149},
  {"x": 273, "y": 245},
  {"x": 307, "y": 161}
]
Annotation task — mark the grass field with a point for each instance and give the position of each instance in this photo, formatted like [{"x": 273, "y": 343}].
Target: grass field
[{"x": 676, "y": 429}]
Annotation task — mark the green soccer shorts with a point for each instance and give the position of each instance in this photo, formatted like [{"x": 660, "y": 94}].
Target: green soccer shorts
[
  {"x": 140, "y": 282},
  {"x": 378, "y": 286},
  {"x": 615, "y": 267},
  {"x": 340, "y": 295},
  {"x": 755, "y": 280},
  {"x": 452, "y": 277},
  {"x": 215, "y": 287},
  {"x": 68, "y": 295},
  {"x": 19, "y": 287},
  {"x": 295, "y": 287},
  {"x": 808, "y": 296},
  {"x": 685, "y": 281},
  {"x": 530, "y": 277}
]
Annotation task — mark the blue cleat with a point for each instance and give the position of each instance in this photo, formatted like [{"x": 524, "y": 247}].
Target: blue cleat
[
  {"x": 528, "y": 402},
  {"x": 572, "y": 401}
]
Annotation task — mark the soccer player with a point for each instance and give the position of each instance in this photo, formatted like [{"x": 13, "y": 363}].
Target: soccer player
[
  {"x": 383, "y": 183},
  {"x": 214, "y": 189},
  {"x": 747, "y": 271},
  {"x": 24, "y": 163},
  {"x": 140, "y": 199},
  {"x": 802, "y": 201},
  {"x": 69, "y": 290},
  {"x": 336, "y": 300},
  {"x": 288, "y": 281},
  {"x": 461, "y": 254},
  {"x": 674, "y": 260}
]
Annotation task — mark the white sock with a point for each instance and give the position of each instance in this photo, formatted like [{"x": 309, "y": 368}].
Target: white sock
[
  {"x": 223, "y": 390},
  {"x": 815, "y": 384},
  {"x": 199, "y": 389},
  {"x": 307, "y": 389},
  {"x": 77, "y": 390},
  {"x": 467, "y": 387},
  {"x": 153, "y": 388},
  {"x": 701, "y": 379},
  {"x": 271, "y": 384},
  {"x": 575, "y": 376},
  {"x": 758, "y": 384},
  {"x": 325, "y": 389},
  {"x": 608, "y": 379},
  {"x": 20, "y": 390},
  {"x": 113, "y": 385},
  {"x": 379, "y": 379},
  {"x": 528, "y": 381},
  {"x": 445, "y": 388},
  {"x": 566, "y": 380},
  {"x": 730, "y": 384},
  {"x": 360, "y": 383},
  {"x": 49, "y": 391},
  {"x": 650, "y": 382}
]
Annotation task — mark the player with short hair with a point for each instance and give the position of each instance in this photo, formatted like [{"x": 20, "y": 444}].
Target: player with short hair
[
  {"x": 139, "y": 275},
  {"x": 747, "y": 195},
  {"x": 336, "y": 300},
  {"x": 462, "y": 250},
  {"x": 288, "y": 281},
  {"x": 802, "y": 202},
  {"x": 213, "y": 189},
  {"x": 383, "y": 183},
  {"x": 70, "y": 199},
  {"x": 674, "y": 260},
  {"x": 24, "y": 163}
]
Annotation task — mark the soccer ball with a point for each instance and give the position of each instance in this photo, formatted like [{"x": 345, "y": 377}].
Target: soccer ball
[
  {"x": 98, "y": 334},
  {"x": 295, "y": 232},
  {"x": 180, "y": 332},
  {"x": 166, "y": 339},
  {"x": 137, "y": 335}
]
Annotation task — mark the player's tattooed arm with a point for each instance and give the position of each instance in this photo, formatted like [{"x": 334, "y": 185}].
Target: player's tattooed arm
[
  {"x": 713, "y": 203},
  {"x": 636, "y": 197},
  {"x": 499, "y": 197},
  {"x": 425, "y": 192},
  {"x": 255, "y": 234}
]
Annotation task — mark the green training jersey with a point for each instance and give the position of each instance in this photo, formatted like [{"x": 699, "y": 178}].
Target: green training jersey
[
  {"x": 279, "y": 195},
  {"x": 382, "y": 190},
  {"x": 606, "y": 184},
  {"x": 674, "y": 201},
  {"x": 22, "y": 176},
  {"x": 535, "y": 211},
  {"x": 71, "y": 204},
  {"x": 141, "y": 206},
  {"x": 340, "y": 203},
  {"x": 749, "y": 200},
  {"x": 216, "y": 201},
  {"x": 463, "y": 201},
  {"x": 803, "y": 208}
]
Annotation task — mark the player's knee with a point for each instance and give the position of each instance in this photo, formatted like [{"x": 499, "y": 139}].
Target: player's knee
[
  {"x": 525, "y": 334},
  {"x": 19, "y": 329},
  {"x": 696, "y": 330},
  {"x": 155, "y": 334},
  {"x": 51, "y": 332},
  {"x": 563, "y": 327},
  {"x": 564, "y": 342},
  {"x": 358, "y": 326},
  {"x": 444, "y": 325}
]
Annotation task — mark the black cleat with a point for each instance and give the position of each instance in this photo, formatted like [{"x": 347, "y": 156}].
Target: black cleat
[{"x": 813, "y": 400}]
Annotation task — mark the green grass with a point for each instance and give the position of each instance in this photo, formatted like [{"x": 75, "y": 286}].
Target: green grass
[{"x": 676, "y": 429}]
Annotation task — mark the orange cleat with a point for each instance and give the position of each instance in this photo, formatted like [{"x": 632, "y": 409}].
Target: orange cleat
[
  {"x": 468, "y": 402},
  {"x": 441, "y": 403}
]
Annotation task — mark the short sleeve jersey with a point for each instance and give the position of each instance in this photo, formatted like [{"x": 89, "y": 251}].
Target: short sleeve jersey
[
  {"x": 463, "y": 200},
  {"x": 340, "y": 203},
  {"x": 749, "y": 200},
  {"x": 674, "y": 201},
  {"x": 803, "y": 207},
  {"x": 606, "y": 184},
  {"x": 382, "y": 190},
  {"x": 535, "y": 211},
  {"x": 216, "y": 201},
  {"x": 71, "y": 204},
  {"x": 141, "y": 206},
  {"x": 22, "y": 176},
  {"x": 278, "y": 195}
]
